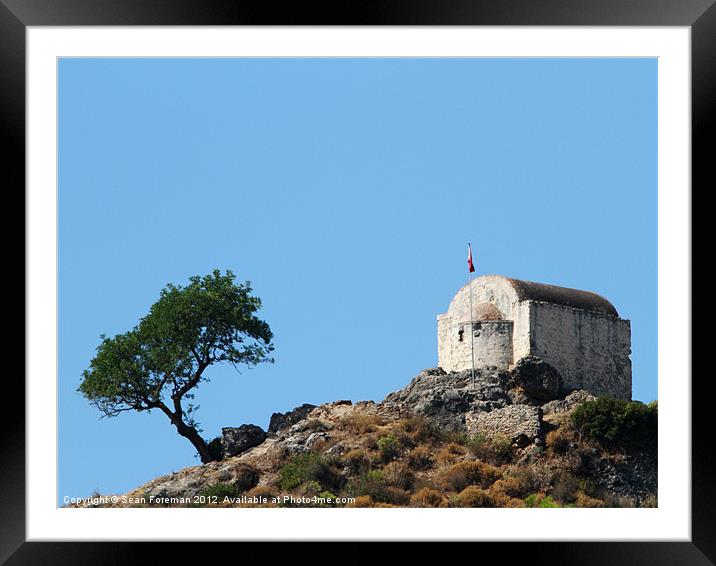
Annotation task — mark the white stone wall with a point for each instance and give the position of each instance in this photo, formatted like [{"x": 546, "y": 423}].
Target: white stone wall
[
  {"x": 590, "y": 350},
  {"x": 492, "y": 344},
  {"x": 491, "y": 289}
]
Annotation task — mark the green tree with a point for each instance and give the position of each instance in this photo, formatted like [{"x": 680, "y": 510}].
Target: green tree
[{"x": 159, "y": 363}]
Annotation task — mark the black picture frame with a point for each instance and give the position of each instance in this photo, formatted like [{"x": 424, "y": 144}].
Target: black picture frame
[{"x": 17, "y": 15}]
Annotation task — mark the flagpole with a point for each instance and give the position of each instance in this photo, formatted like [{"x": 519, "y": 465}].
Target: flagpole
[{"x": 472, "y": 330}]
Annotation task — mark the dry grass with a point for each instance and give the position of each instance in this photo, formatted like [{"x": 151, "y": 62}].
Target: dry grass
[
  {"x": 397, "y": 474},
  {"x": 420, "y": 458},
  {"x": 559, "y": 441},
  {"x": 495, "y": 449},
  {"x": 463, "y": 474},
  {"x": 361, "y": 423},
  {"x": 450, "y": 453},
  {"x": 427, "y": 497},
  {"x": 583, "y": 500},
  {"x": 362, "y": 501},
  {"x": 261, "y": 491},
  {"x": 473, "y": 497},
  {"x": 410, "y": 462},
  {"x": 517, "y": 482},
  {"x": 357, "y": 461},
  {"x": 565, "y": 488},
  {"x": 420, "y": 430}
]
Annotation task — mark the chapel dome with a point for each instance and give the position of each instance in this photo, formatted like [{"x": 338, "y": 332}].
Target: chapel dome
[{"x": 486, "y": 311}]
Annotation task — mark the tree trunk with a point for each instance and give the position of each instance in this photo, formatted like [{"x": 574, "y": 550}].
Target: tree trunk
[{"x": 190, "y": 433}]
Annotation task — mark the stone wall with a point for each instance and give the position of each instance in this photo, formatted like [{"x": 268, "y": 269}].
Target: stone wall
[
  {"x": 590, "y": 350},
  {"x": 492, "y": 344}
]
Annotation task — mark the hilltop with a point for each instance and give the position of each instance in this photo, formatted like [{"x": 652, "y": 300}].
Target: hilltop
[{"x": 509, "y": 439}]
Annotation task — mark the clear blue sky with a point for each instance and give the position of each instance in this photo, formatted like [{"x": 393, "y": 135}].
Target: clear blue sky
[{"x": 345, "y": 191}]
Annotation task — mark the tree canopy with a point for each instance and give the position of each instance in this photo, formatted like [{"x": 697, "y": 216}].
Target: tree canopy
[{"x": 159, "y": 363}]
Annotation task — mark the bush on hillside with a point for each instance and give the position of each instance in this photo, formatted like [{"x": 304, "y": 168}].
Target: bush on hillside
[
  {"x": 389, "y": 448},
  {"x": 463, "y": 474},
  {"x": 614, "y": 422},
  {"x": 496, "y": 449},
  {"x": 306, "y": 468},
  {"x": 473, "y": 497}
]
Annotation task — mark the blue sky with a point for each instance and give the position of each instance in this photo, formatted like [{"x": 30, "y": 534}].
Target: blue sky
[{"x": 345, "y": 191}]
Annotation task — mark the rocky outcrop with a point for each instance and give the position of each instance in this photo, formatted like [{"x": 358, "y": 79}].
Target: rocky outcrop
[
  {"x": 235, "y": 440},
  {"x": 568, "y": 403},
  {"x": 445, "y": 398},
  {"x": 191, "y": 482},
  {"x": 280, "y": 421}
]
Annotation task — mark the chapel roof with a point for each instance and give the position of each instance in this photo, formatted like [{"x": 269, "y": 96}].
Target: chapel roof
[{"x": 575, "y": 298}]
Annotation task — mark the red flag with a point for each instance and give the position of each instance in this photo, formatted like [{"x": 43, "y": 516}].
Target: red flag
[{"x": 470, "y": 265}]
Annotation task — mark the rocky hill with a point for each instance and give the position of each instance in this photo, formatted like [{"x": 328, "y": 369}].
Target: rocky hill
[{"x": 505, "y": 439}]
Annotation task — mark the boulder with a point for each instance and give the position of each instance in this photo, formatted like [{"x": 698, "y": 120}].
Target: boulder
[
  {"x": 235, "y": 440},
  {"x": 281, "y": 421},
  {"x": 522, "y": 424},
  {"x": 568, "y": 403},
  {"x": 537, "y": 378}
]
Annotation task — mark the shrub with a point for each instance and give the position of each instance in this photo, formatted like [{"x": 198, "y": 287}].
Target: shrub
[
  {"x": 245, "y": 476},
  {"x": 397, "y": 474},
  {"x": 360, "y": 423},
  {"x": 357, "y": 461},
  {"x": 565, "y": 488},
  {"x": 558, "y": 441},
  {"x": 373, "y": 484},
  {"x": 614, "y": 422},
  {"x": 362, "y": 501},
  {"x": 419, "y": 458},
  {"x": 584, "y": 500},
  {"x": 370, "y": 483},
  {"x": 448, "y": 436},
  {"x": 590, "y": 487},
  {"x": 310, "y": 488},
  {"x": 220, "y": 490},
  {"x": 547, "y": 503},
  {"x": 420, "y": 429},
  {"x": 496, "y": 449},
  {"x": 614, "y": 500},
  {"x": 307, "y": 467},
  {"x": 330, "y": 496},
  {"x": 450, "y": 453},
  {"x": 518, "y": 484},
  {"x": 277, "y": 456},
  {"x": 473, "y": 497},
  {"x": 649, "y": 500},
  {"x": 463, "y": 474},
  {"x": 404, "y": 439},
  {"x": 427, "y": 497},
  {"x": 262, "y": 491},
  {"x": 395, "y": 496},
  {"x": 389, "y": 447},
  {"x": 540, "y": 500}
]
